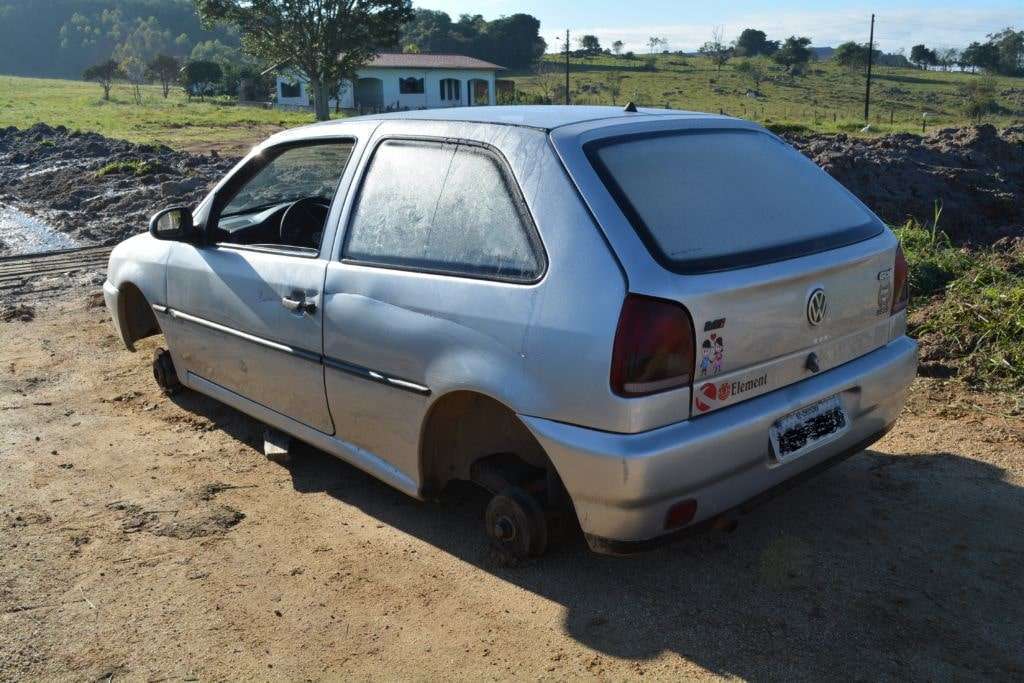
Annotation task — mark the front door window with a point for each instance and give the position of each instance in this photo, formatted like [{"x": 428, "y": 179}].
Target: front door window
[{"x": 284, "y": 197}]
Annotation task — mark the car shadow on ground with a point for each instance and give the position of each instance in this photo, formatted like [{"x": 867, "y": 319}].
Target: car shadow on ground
[{"x": 885, "y": 566}]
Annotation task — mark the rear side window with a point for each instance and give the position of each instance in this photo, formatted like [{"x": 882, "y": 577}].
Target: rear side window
[
  {"x": 715, "y": 200},
  {"x": 445, "y": 208}
]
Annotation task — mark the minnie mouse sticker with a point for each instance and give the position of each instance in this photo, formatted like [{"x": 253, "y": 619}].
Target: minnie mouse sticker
[{"x": 712, "y": 355}]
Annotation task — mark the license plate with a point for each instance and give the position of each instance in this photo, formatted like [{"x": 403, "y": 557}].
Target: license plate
[{"x": 803, "y": 430}]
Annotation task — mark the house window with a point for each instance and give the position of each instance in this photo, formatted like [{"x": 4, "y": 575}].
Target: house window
[
  {"x": 451, "y": 89},
  {"x": 410, "y": 86},
  {"x": 291, "y": 89}
]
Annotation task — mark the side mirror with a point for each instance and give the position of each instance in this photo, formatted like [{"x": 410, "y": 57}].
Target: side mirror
[{"x": 174, "y": 223}]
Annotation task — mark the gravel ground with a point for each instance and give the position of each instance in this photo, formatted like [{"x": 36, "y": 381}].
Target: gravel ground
[{"x": 149, "y": 539}]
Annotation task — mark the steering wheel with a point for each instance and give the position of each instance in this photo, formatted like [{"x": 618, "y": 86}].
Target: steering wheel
[{"x": 302, "y": 223}]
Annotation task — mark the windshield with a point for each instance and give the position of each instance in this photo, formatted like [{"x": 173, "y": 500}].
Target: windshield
[{"x": 720, "y": 199}]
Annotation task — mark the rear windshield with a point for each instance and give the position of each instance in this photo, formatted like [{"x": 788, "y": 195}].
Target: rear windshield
[{"x": 721, "y": 199}]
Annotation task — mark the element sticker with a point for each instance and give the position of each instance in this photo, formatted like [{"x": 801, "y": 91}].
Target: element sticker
[{"x": 710, "y": 395}]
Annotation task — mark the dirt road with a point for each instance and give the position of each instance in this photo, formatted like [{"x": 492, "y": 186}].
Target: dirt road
[{"x": 149, "y": 539}]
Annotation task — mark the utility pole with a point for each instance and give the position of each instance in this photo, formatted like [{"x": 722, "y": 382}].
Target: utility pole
[
  {"x": 871, "y": 54},
  {"x": 567, "y": 66}
]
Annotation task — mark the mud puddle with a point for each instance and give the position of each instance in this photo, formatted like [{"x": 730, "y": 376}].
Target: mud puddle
[{"x": 24, "y": 234}]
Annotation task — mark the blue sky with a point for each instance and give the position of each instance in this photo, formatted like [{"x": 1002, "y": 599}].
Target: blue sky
[{"x": 687, "y": 24}]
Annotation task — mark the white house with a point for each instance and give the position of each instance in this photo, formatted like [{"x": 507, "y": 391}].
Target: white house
[{"x": 395, "y": 80}]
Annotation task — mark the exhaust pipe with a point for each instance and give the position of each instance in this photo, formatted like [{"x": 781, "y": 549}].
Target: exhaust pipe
[{"x": 725, "y": 524}]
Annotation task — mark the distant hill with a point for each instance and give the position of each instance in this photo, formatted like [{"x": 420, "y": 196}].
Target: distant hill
[{"x": 60, "y": 38}]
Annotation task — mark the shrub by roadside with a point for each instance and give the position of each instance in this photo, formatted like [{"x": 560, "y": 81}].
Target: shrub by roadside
[{"x": 967, "y": 307}]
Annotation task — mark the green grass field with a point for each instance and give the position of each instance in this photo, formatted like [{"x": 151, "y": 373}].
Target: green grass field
[
  {"x": 175, "y": 122},
  {"x": 827, "y": 99}
]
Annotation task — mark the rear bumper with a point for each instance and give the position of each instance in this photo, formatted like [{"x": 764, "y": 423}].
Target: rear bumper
[{"x": 622, "y": 485}]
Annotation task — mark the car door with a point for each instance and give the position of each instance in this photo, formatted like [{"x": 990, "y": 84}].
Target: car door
[
  {"x": 247, "y": 306},
  {"x": 434, "y": 285}
]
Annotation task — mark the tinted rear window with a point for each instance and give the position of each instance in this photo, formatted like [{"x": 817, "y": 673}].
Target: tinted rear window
[{"x": 715, "y": 200}]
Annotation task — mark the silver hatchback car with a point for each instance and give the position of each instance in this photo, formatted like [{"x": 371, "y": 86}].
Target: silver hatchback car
[{"x": 648, "y": 318}]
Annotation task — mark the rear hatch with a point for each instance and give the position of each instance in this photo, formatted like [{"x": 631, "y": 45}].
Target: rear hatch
[{"x": 784, "y": 273}]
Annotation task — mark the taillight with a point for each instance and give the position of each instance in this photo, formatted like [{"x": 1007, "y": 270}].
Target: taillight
[
  {"x": 654, "y": 347},
  {"x": 900, "y": 283}
]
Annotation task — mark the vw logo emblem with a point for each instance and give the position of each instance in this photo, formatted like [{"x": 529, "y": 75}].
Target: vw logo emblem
[{"x": 817, "y": 307}]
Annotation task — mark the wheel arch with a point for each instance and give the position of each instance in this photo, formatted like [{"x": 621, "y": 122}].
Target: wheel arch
[
  {"x": 136, "y": 319},
  {"x": 464, "y": 426}
]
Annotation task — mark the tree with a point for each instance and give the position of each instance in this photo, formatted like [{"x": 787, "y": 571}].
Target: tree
[
  {"x": 235, "y": 65},
  {"x": 550, "y": 78},
  {"x": 429, "y": 30},
  {"x": 1009, "y": 45},
  {"x": 143, "y": 42},
  {"x": 200, "y": 77},
  {"x": 984, "y": 56},
  {"x": 754, "y": 70},
  {"x": 327, "y": 40},
  {"x": 216, "y": 51},
  {"x": 854, "y": 56},
  {"x": 794, "y": 53},
  {"x": 716, "y": 49},
  {"x": 164, "y": 68},
  {"x": 754, "y": 43},
  {"x": 613, "y": 81},
  {"x": 617, "y": 47},
  {"x": 134, "y": 70},
  {"x": 654, "y": 42},
  {"x": 590, "y": 44},
  {"x": 513, "y": 42},
  {"x": 923, "y": 57},
  {"x": 947, "y": 58},
  {"x": 104, "y": 73}
]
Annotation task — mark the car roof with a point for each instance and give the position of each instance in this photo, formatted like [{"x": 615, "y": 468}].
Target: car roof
[{"x": 544, "y": 117}]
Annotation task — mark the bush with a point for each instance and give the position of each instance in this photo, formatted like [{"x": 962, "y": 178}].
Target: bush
[
  {"x": 967, "y": 306},
  {"x": 781, "y": 128},
  {"x": 137, "y": 168},
  {"x": 980, "y": 96},
  {"x": 520, "y": 97}
]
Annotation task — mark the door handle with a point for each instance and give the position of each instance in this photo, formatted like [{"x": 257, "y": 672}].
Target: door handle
[{"x": 299, "y": 305}]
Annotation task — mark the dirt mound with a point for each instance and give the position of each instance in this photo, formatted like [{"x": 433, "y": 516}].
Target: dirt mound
[
  {"x": 975, "y": 173},
  {"x": 96, "y": 189}
]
